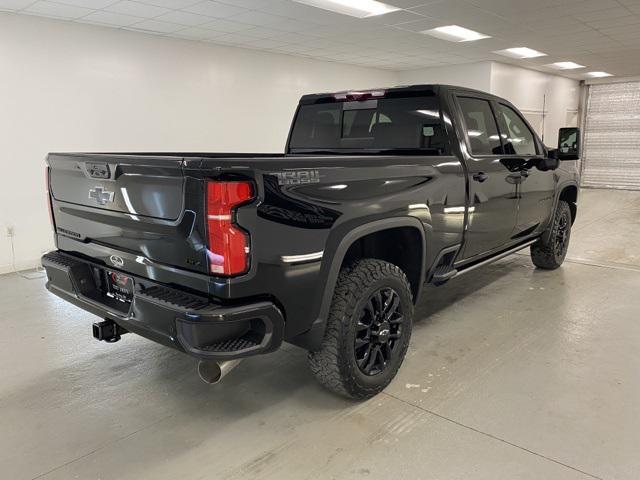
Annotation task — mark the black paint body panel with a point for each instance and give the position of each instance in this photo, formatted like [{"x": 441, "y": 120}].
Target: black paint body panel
[{"x": 305, "y": 204}]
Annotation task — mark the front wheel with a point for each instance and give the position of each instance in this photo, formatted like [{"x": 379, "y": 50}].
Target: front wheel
[
  {"x": 549, "y": 251},
  {"x": 368, "y": 330}
]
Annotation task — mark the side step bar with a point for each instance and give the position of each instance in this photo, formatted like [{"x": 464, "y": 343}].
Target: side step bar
[
  {"x": 444, "y": 270},
  {"x": 500, "y": 256},
  {"x": 440, "y": 278}
]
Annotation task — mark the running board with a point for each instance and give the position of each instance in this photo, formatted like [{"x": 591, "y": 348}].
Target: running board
[
  {"x": 500, "y": 256},
  {"x": 440, "y": 278}
]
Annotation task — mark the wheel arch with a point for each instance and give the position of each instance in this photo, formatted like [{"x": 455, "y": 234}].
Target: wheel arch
[
  {"x": 569, "y": 193},
  {"x": 344, "y": 251}
]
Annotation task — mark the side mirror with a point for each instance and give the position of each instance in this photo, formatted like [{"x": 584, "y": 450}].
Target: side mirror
[{"x": 568, "y": 144}]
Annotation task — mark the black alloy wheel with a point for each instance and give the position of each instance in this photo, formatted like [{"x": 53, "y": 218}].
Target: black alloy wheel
[
  {"x": 378, "y": 331},
  {"x": 562, "y": 235}
]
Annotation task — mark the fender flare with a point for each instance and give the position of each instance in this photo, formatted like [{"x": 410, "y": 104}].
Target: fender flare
[
  {"x": 561, "y": 188},
  {"x": 312, "y": 338}
]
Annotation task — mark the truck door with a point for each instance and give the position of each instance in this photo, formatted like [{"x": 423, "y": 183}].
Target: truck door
[
  {"x": 492, "y": 184},
  {"x": 537, "y": 181}
]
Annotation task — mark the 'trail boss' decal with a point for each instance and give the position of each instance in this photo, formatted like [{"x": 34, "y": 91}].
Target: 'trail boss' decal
[{"x": 297, "y": 177}]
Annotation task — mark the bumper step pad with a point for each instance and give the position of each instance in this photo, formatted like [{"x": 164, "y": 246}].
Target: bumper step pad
[{"x": 234, "y": 345}]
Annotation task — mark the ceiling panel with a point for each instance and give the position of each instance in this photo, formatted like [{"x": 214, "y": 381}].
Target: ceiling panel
[
  {"x": 137, "y": 9},
  {"x": 600, "y": 34},
  {"x": 172, "y": 4},
  {"x": 156, "y": 26},
  {"x": 57, "y": 10},
  {"x": 215, "y": 9},
  {"x": 184, "y": 18},
  {"x": 197, "y": 33},
  {"x": 110, "y": 19},
  {"x": 96, "y": 4}
]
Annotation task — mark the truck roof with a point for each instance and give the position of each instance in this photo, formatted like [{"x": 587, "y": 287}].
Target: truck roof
[{"x": 434, "y": 89}]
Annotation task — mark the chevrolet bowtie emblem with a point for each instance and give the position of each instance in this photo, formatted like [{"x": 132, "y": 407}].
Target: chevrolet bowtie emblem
[{"x": 101, "y": 195}]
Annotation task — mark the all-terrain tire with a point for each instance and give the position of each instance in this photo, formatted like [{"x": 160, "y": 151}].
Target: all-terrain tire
[
  {"x": 336, "y": 364},
  {"x": 550, "y": 250}
]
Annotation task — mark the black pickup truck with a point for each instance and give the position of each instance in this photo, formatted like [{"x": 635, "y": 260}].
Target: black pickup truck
[{"x": 327, "y": 246}]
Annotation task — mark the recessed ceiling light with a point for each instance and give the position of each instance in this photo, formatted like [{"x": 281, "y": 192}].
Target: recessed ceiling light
[
  {"x": 565, "y": 65},
  {"x": 455, "y": 33},
  {"x": 355, "y": 8},
  {"x": 520, "y": 52},
  {"x": 599, "y": 74}
]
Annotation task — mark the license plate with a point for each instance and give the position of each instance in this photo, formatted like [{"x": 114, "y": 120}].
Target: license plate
[{"x": 119, "y": 286}]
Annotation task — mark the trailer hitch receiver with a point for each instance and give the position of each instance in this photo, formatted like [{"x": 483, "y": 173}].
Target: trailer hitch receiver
[{"x": 108, "y": 331}]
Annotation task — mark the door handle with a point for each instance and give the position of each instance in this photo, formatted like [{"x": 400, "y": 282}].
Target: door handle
[
  {"x": 524, "y": 173},
  {"x": 480, "y": 177}
]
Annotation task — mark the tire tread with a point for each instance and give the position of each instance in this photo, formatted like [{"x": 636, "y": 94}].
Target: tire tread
[
  {"x": 329, "y": 364},
  {"x": 542, "y": 252}
]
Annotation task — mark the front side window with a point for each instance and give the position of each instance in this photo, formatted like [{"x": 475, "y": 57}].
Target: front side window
[
  {"x": 481, "y": 127},
  {"x": 397, "y": 123},
  {"x": 518, "y": 138}
]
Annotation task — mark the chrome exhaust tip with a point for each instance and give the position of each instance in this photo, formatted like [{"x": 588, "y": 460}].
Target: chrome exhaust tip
[{"x": 213, "y": 372}]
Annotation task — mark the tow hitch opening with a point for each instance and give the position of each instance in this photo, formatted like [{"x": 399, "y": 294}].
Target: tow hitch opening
[{"x": 108, "y": 331}]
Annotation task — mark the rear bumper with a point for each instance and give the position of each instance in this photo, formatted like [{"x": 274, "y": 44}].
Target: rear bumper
[{"x": 181, "y": 320}]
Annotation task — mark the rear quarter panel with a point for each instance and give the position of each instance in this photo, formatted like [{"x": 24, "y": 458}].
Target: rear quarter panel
[{"x": 309, "y": 204}]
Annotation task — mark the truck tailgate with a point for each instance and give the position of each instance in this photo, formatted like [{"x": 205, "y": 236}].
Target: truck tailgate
[
  {"x": 143, "y": 186},
  {"x": 128, "y": 203}
]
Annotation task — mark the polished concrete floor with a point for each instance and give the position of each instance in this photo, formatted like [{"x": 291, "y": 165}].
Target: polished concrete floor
[{"x": 512, "y": 373}]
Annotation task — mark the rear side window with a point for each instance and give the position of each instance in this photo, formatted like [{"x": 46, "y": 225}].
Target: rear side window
[
  {"x": 519, "y": 139},
  {"x": 481, "y": 126},
  {"x": 411, "y": 123}
]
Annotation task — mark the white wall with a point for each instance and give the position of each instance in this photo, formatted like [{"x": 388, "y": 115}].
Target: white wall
[
  {"x": 527, "y": 89},
  {"x": 72, "y": 87},
  {"x": 523, "y": 87},
  {"x": 470, "y": 75}
]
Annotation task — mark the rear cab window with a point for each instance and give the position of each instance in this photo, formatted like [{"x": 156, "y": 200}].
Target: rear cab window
[{"x": 411, "y": 124}]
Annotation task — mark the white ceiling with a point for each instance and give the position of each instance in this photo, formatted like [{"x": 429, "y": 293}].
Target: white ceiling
[{"x": 600, "y": 34}]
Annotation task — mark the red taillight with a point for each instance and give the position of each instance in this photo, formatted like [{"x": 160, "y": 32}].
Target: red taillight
[{"x": 228, "y": 244}]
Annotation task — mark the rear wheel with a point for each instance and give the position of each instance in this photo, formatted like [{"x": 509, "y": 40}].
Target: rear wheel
[
  {"x": 551, "y": 249},
  {"x": 367, "y": 332}
]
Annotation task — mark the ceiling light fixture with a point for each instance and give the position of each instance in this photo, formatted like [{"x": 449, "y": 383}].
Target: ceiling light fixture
[
  {"x": 599, "y": 74},
  {"x": 455, "y": 33},
  {"x": 355, "y": 8},
  {"x": 565, "y": 65},
  {"x": 520, "y": 52}
]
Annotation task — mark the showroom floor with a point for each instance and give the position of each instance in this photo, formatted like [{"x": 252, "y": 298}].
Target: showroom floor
[{"x": 512, "y": 373}]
